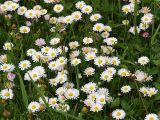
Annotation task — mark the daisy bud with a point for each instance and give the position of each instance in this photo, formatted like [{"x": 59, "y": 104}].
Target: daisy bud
[
  {"x": 6, "y": 113},
  {"x": 145, "y": 35},
  {"x": 11, "y": 76}
]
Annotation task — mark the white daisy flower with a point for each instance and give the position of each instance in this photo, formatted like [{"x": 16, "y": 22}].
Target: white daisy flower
[
  {"x": 118, "y": 114},
  {"x": 58, "y": 8},
  {"x": 24, "y": 29},
  {"x": 34, "y": 107},
  {"x": 87, "y": 9},
  {"x": 98, "y": 27},
  {"x": 125, "y": 89},
  {"x": 151, "y": 116},
  {"x": 25, "y": 64},
  {"x": 143, "y": 60},
  {"x": 6, "y": 94}
]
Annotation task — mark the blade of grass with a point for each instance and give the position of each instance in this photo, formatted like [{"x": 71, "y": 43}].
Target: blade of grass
[
  {"x": 154, "y": 36},
  {"x": 23, "y": 90}
]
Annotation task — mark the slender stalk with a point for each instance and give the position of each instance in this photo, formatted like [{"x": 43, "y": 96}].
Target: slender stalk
[{"x": 141, "y": 97}]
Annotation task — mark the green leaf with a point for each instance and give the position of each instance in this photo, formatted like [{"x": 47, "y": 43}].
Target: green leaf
[{"x": 116, "y": 102}]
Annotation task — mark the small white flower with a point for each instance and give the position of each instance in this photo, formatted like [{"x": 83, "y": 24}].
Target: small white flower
[
  {"x": 87, "y": 9},
  {"x": 151, "y": 116},
  {"x": 58, "y": 8},
  {"x": 34, "y": 107},
  {"x": 125, "y": 89},
  {"x": 6, "y": 94},
  {"x": 25, "y": 64},
  {"x": 24, "y": 29},
  {"x": 98, "y": 27},
  {"x": 143, "y": 60},
  {"x": 118, "y": 114}
]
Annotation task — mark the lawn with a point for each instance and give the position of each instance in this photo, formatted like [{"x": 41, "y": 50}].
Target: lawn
[{"x": 80, "y": 60}]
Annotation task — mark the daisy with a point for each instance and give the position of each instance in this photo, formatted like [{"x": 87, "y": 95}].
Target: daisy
[
  {"x": 8, "y": 46},
  {"x": 152, "y": 91},
  {"x": 72, "y": 93},
  {"x": 151, "y": 116},
  {"x": 118, "y": 114},
  {"x": 58, "y": 8},
  {"x": 115, "y": 61},
  {"x": 24, "y": 29},
  {"x": 87, "y": 40},
  {"x": 147, "y": 18},
  {"x": 107, "y": 49},
  {"x": 88, "y": 102},
  {"x": 133, "y": 30},
  {"x": 54, "y": 41},
  {"x": 75, "y": 61},
  {"x": 87, "y": 9},
  {"x": 107, "y": 28},
  {"x": 123, "y": 72},
  {"x": 125, "y": 89},
  {"x": 90, "y": 56},
  {"x": 73, "y": 45},
  {"x": 30, "y": 14},
  {"x": 100, "y": 61},
  {"x": 43, "y": 11},
  {"x": 101, "y": 99},
  {"x": 40, "y": 42},
  {"x": 98, "y": 27},
  {"x": 143, "y": 60},
  {"x": 125, "y": 22},
  {"x": 80, "y": 4},
  {"x": 52, "y": 65},
  {"x": 68, "y": 19},
  {"x": 21, "y": 10},
  {"x": 89, "y": 87},
  {"x": 7, "y": 67},
  {"x": 144, "y": 90},
  {"x": 53, "y": 102},
  {"x": 6, "y": 94},
  {"x": 96, "y": 107},
  {"x": 105, "y": 34},
  {"x": 95, "y": 17},
  {"x": 110, "y": 41},
  {"x": 89, "y": 71},
  {"x": 53, "y": 20},
  {"x": 3, "y": 59},
  {"x": 34, "y": 107},
  {"x": 106, "y": 76},
  {"x": 31, "y": 52},
  {"x": 37, "y": 7},
  {"x": 25, "y": 64},
  {"x": 76, "y": 15}
]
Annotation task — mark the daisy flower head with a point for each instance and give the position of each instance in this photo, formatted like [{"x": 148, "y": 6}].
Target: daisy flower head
[
  {"x": 147, "y": 18},
  {"x": 40, "y": 42},
  {"x": 7, "y": 67},
  {"x": 89, "y": 87},
  {"x": 31, "y": 52},
  {"x": 143, "y": 60},
  {"x": 87, "y": 40},
  {"x": 25, "y": 64},
  {"x": 151, "y": 116},
  {"x": 30, "y": 14},
  {"x": 53, "y": 102},
  {"x": 80, "y": 4},
  {"x": 21, "y": 10},
  {"x": 24, "y": 29},
  {"x": 8, "y": 46},
  {"x": 125, "y": 89},
  {"x": 77, "y": 15},
  {"x": 58, "y": 8},
  {"x": 127, "y": 9},
  {"x": 123, "y": 72},
  {"x": 6, "y": 94},
  {"x": 68, "y": 19},
  {"x": 95, "y": 17},
  {"x": 106, "y": 76},
  {"x": 98, "y": 27},
  {"x": 87, "y": 9},
  {"x": 75, "y": 61},
  {"x": 100, "y": 61},
  {"x": 101, "y": 99},
  {"x": 54, "y": 41},
  {"x": 53, "y": 20},
  {"x": 89, "y": 71},
  {"x": 3, "y": 59},
  {"x": 96, "y": 107},
  {"x": 34, "y": 107},
  {"x": 72, "y": 93},
  {"x": 115, "y": 61},
  {"x": 118, "y": 114},
  {"x": 90, "y": 56},
  {"x": 111, "y": 41},
  {"x": 133, "y": 30}
]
